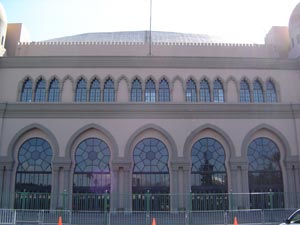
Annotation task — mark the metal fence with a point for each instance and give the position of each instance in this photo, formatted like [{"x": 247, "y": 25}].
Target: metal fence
[
  {"x": 50, "y": 217},
  {"x": 158, "y": 202}
]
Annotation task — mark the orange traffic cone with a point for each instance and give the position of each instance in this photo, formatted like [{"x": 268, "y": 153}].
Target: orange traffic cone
[
  {"x": 153, "y": 221},
  {"x": 235, "y": 222},
  {"x": 59, "y": 221}
]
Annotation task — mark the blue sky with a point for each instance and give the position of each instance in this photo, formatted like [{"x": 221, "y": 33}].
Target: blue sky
[{"x": 245, "y": 21}]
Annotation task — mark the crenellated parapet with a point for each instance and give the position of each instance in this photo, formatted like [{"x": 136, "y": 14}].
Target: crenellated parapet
[{"x": 143, "y": 49}]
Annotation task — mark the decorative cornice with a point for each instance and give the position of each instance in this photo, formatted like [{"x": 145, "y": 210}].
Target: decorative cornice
[
  {"x": 151, "y": 111},
  {"x": 148, "y": 62}
]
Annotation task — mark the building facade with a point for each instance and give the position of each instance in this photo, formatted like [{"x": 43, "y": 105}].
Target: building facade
[{"x": 127, "y": 117}]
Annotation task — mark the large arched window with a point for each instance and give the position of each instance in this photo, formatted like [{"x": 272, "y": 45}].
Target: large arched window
[
  {"x": 109, "y": 91},
  {"x": 150, "y": 91},
  {"x": 53, "y": 94},
  {"x": 163, "y": 91},
  {"x": 244, "y": 92},
  {"x": 258, "y": 95},
  {"x": 26, "y": 94},
  {"x": 91, "y": 174},
  {"x": 271, "y": 92},
  {"x": 136, "y": 91},
  {"x": 151, "y": 174},
  {"x": 208, "y": 174},
  {"x": 40, "y": 91},
  {"x": 218, "y": 91},
  {"x": 265, "y": 173},
  {"x": 33, "y": 175},
  {"x": 81, "y": 92},
  {"x": 191, "y": 91},
  {"x": 95, "y": 92},
  {"x": 204, "y": 91}
]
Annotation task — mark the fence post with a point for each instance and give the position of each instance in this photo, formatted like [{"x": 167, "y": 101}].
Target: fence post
[
  {"x": 64, "y": 199},
  {"x": 271, "y": 199},
  {"x": 148, "y": 201}
]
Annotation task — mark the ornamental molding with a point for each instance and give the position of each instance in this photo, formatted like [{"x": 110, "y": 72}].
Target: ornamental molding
[
  {"x": 150, "y": 110},
  {"x": 148, "y": 62}
]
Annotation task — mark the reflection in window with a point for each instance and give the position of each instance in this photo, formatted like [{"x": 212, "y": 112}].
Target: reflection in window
[
  {"x": 40, "y": 91},
  {"x": 53, "y": 95},
  {"x": 34, "y": 172},
  {"x": 244, "y": 91},
  {"x": 191, "y": 93},
  {"x": 204, "y": 91},
  {"x": 81, "y": 92},
  {"x": 164, "y": 91},
  {"x": 109, "y": 91},
  {"x": 95, "y": 91},
  {"x": 264, "y": 171},
  {"x": 258, "y": 95},
  {"x": 26, "y": 94},
  {"x": 150, "y": 91},
  {"x": 218, "y": 91},
  {"x": 136, "y": 91},
  {"x": 271, "y": 92},
  {"x": 92, "y": 173}
]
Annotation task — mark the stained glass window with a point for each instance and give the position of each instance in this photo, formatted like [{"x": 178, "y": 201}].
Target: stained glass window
[
  {"x": 53, "y": 95},
  {"x": 81, "y": 92},
  {"x": 218, "y": 91},
  {"x": 150, "y": 91},
  {"x": 258, "y": 95},
  {"x": 244, "y": 91},
  {"x": 95, "y": 93},
  {"x": 26, "y": 94},
  {"x": 40, "y": 91},
  {"x": 109, "y": 91},
  {"x": 204, "y": 91},
  {"x": 271, "y": 92}
]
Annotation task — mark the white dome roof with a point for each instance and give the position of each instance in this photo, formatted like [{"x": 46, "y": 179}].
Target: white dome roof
[{"x": 3, "y": 17}]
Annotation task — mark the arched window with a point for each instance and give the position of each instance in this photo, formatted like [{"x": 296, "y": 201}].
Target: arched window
[
  {"x": 150, "y": 91},
  {"x": 40, "y": 91},
  {"x": 109, "y": 91},
  {"x": 163, "y": 91},
  {"x": 91, "y": 174},
  {"x": 26, "y": 95},
  {"x": 265, "y": 173},
  {"x": 81, "y": 92},
  {"x": 136, "y": 91},
  {"x": 95, "y": 93},
  {"x": 208, "y": 173},
  {"x": 244, "y": 91},
  {"x": 204, "y": 91},
  {"x": 258, "y": 95},
  {"x": 151, "y": 173},
  {"x": 191, "y": 93},
  {"x": 53, "y": 94},
  {"x": 34, "y": 175},
  {"x": 271, "y": 92},
  {"x": 218, "y": 91}
]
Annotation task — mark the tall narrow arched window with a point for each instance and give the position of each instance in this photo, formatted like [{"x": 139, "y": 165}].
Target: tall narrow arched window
[
  {"x": 109, "y": 91},
  {"x": 151, "y": 173},
  {"x": 91, "y": 174},
  {"x": 150, "y": 91},
  {"x": 271, "y": 92},
  {"x": 53, "y": 94},
  {"x": 95, "y": 92},
  {"x": 81, "y": 92},
  {"x": 163, "y": 91},
  {"x": 218, "y": 91},
  {"x": 265, "y": 174},
  {"x": 26, "y": 94},
  {"x": 40, "y": 91},
  {"x": 208, "y": 173},
  {"x": 136, "y": 91},
  {"x": 258, "y": 95},
  {"x": 204, "y": 91},
  {"x": 34, "y": 175},
  {"x": 244, "y": 91},
  {"x": 191, "y": 91}
]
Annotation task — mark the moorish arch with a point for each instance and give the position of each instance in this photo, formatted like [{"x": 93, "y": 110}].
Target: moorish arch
[
  {"x": 268, "y": 154},
  {"x": 33, "y": 150}
]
